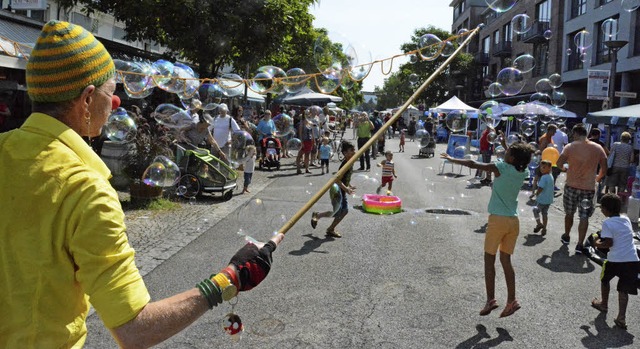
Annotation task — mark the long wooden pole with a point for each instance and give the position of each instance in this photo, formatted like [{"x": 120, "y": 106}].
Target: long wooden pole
[{"x": 307, "y": 206}]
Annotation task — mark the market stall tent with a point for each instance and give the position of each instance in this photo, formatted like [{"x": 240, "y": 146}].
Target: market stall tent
[
  {"x": 454, "y": 103},
  {"x": 629, "y": 115}
]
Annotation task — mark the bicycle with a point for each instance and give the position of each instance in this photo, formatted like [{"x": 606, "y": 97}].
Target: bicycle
[{"x": 336, "y": 145}]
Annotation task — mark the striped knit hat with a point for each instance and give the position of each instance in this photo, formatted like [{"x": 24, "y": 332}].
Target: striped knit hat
[{"x": 65, "y": 60}]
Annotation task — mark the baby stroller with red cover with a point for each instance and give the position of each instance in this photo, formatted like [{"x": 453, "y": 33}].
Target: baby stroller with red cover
[{"x": 271, "y": 148}]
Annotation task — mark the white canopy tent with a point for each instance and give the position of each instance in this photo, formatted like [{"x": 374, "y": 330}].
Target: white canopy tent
[
  {"x": 629, "y": 115},
  {"x": 454, "y": 103}
]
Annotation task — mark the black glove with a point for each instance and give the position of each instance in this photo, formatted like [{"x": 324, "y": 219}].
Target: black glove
[{"x": 253, "y": 264}]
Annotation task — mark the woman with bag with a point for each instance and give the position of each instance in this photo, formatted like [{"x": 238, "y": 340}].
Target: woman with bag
[{"x": 618, "y": 162}]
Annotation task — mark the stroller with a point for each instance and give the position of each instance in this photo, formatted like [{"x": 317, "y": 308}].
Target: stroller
[
  {"x": 598, "y": 255},
  {"x": 427, "y": 144},
  {"x": 271, "y": 148},
  {"x": 203, "y": 173}
]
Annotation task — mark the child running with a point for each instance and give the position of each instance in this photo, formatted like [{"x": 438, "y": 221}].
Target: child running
[
  {"x": 344, "y": 182},
  {"x": 388, "y": 172},
  {"x": 402, "y": 141},
  {"x": 249, "y": 165},
  {"x": 544, "y": 197},
  {"x": 325, "y": 154},
  {"x": 622, "y": 259},
  {"x": 503, "y": 226}
]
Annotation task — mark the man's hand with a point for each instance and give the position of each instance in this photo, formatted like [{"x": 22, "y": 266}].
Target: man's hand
[
  {"x": 253, "y": 262},
  {"x": 445, "y": 156}
]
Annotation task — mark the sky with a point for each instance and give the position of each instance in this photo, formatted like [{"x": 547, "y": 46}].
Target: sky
[{"x": 381, "y": 26}]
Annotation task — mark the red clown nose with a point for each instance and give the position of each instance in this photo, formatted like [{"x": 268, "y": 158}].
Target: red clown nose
[{"x": 115, "y": 102}]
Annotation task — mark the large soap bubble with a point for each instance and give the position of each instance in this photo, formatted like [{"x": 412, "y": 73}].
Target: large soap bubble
[
  {"x": 494, "y": 89},
  {"x": 609, "y": 29},
  {"x": 490, "y": 113},
  {"x": 558, "y": 98},
  {"x": 294, "y": 145},
  {"x": 336, "y": 197},
  {"x": 544, "y": 86},
  {"x": 295, "y": 81},
  {"x": 232, "y": 85},
  {"x": 327, "y": 52},
  {"x": 161, "y": 173},
  {"x": 521, "y": 23},
  {"x": 528, "y": 128},
  {"x": 456, "y": 120},
  {"x": 501, "y": 5},
  {"x": 165, "y": 73},
  {"x": 511, "y": 80},
  {"x": 277, "y": 74},
  {"x": 328, "y": 83},
  {"x": 525, "y": 63},
  {"x": 555, "y": 80},
  {"x": 630, "y": 5},
  {"x": 359, "y": 61},
  {"x": 187, "y": 82},
  {"x": 172, "y": 117},
  {"x": 240, "y": 140},
  {"x": 430, "y": 46},
  {"x": 120, "y": 126},
  {"x": 262, "y": 83},
  {"x": 284, "y": 125}
]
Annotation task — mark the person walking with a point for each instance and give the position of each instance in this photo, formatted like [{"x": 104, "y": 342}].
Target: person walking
[
  {"x": 583, "y": 158},
  {"x": 222, "y": 127},
  {"x": 365, "y": 126},
  {"x": 71, "y": 246},
  {"x": 618, "y": 174}
]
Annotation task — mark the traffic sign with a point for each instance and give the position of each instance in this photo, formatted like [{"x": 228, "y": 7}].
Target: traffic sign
[{"x": 622, "y": 94}]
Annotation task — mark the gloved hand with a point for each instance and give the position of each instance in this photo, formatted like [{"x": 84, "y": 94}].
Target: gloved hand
[{"x": 253, "y": 262}]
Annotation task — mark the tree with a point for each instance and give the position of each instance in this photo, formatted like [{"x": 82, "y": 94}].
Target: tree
[
  {"x": 401, "y": 84},
  {"x": 213, "y": 33}
]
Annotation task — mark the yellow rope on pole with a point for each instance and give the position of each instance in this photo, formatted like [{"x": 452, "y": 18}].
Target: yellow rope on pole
[{"x": 294, "y": 219}]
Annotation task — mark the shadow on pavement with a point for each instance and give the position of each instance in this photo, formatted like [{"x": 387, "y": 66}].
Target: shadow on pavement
[
  {"x": 606, "y": 337},
  {"x": 482, "y": 229},
  {"x": 561, "y": 262},
  {"x": 533, "y": 239},
  {"x": 476, "y": 340},
  {"x": 311, "y": 245}
]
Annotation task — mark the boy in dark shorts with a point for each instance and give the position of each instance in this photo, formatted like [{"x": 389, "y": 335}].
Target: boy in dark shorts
[
  {"x": 344, "y": 182},
  {"x": 622, "y": 259}
]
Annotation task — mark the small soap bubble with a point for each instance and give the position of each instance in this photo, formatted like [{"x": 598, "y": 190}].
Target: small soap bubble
[
  {"x": 120, "y": 126},
  {"x": 456, "y": 120},
  {"x": 547, "y": 34},
  {"x": 630, "y": 5},
  {"x": 585, "y": 204},
  {"x": 501, "y": 6}
]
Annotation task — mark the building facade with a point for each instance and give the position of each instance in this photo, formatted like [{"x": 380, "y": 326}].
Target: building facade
[{"x": 551, "y": 41}]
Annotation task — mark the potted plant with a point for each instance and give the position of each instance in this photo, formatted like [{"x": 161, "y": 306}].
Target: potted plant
[{"x": 151, "y": 139}]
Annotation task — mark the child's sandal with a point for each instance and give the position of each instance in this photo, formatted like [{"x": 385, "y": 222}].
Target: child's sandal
[
  {"x": 510, "y": 309},
  {"x": 489, "y": 307}
]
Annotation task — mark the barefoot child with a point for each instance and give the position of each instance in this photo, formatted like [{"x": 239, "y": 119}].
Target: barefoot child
[
  {"x": 622, "y": 259},
  {"x": 402, "y": 141},
  {"x": 348, "y": 150},
  {"x": 503, "y": 226},
  {"x": 544, "y": 197},
  {"x": 249, "y": 164},
  {"x": 388, "y": 172}
]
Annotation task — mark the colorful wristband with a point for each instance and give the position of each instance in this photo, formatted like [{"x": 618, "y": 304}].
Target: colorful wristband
[
  {"x": 228, "y": 271},
  {"x": 228, "y": 289}
]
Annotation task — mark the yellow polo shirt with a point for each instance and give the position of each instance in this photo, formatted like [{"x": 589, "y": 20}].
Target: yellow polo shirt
[{"x": 62, "y": 240}]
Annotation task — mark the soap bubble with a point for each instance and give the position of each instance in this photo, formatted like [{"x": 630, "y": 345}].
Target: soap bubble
[
  {"x": 171, "y": 116},
  {"x": 531, "y": 116},
  {"x": 163, "y": 78},
  {"x": 262, "y": 83},
  {"x": 569, "y": 52},
  {"x": 555, "y": 80},
  {"x": 120, "y": 126},
  {"x": 364, "y": 184},
  {"x": 543, "y": 128},
  {"x": 254, "y": 208},
  {"x": 295, "y": 81},
  {"x": 447, "y": 49},
  {"x": 413, "y": 59},
  {"x": 583, "y": 39},
  {"x": 294, "y": 145},
  {"x": 326, "y": 56},
  {"x": 429, "y": 47},
  {"x": 240, "y": 140},
  {"x": 609, "y": 29},
  {"x": 490, "y": 112},
  {"x": 501, "y": 5},
  {"x": 462, "y": 35},
  {"x": 413, "y": 78},
  {"x": 539, "y": 97},
  {"x": 500, "y": 152},
  {"x": 544, "y": 86},
  {"x": 558, "y": 99},
  {"x": 136, "y": 78},
  {"x": 232, "y": 85},
  {"x": 586, "y": 204},
  {"x": 456, "y": 120},
  {"x": 186, "y": 81},
  {"x": 521, "y": 23},
  {"x": 328, "y": 83},
  {"x": 513, "y": 138},
  {"x": 284, "y": 125},
  {"x": 277, "y": 74},
  {"x": 494, "y": 89},
  {"x": 547, "y": 34},
  {"x": 512, "y": 81},
  {"x": 528, "y": 128},
  {"x": 459, "y": 152},
  {"x": 335, "y": 194},
  {"x": 630, "y": 5},
  {"x": 358, "y": 61},
  {"x": 162, "y": 172},
  {"x": 525, "y": 63},
  {"x": 583, "y": 56}
]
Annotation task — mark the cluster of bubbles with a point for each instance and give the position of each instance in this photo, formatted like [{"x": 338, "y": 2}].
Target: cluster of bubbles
[{"x": 162, "y": 172}]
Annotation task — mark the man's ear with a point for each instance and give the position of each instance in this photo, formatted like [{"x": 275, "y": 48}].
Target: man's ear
[{"x": 87, "y": 95}]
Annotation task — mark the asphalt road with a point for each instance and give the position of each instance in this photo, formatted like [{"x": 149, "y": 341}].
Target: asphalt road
[{"x": 409, "y": 280}]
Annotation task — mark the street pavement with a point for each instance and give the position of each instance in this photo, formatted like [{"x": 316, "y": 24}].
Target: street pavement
[{"x": 409, "y": 280}]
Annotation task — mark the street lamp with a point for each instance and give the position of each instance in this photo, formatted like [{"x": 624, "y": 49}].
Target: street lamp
[{"x": 614, "y": 46}]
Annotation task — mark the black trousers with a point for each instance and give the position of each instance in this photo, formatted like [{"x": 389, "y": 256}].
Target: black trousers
[{"x": 365, "y": 158}]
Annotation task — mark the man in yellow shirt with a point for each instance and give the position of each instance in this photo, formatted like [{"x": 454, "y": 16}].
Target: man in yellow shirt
[{"x": 62, "y": 232}]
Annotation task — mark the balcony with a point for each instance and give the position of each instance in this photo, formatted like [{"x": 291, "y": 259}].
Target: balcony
[
  {"x": 502, "y": 49},
  {"x": 482, "y": 58},
  {"x": 535, "y": 35}
]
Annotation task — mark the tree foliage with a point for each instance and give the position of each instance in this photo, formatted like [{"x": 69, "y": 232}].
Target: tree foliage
[{"x": 397, "y": 87}]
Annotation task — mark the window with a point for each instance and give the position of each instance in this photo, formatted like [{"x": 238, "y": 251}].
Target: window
[
  {"x": 119, "y": 33},
  {"x": 574, "y": 56},
  {"x": 602, "y": 2},
  {"x": 543, "y": 11},
  {"x": 541, "y": 53},
  {"x": 459, "y": 9},
  {"x": 84, "y": 21},
  {"x": 578, "y": 7},
  {"x": 636, "y": 35},
  {"x": 496, "y": 37},
  {"x": 607, "y": 30},
  {"x": 506, "y": 32},
  {"x": 486, "y": 44}
]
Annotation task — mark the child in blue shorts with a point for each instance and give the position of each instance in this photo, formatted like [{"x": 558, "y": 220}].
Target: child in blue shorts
[
  {"x": 503, "y": 226},
  {"x": 544, "y": 197}
]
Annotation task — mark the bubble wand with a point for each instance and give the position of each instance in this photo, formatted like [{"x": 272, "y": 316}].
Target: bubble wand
[{"x": 294, "y": 219}]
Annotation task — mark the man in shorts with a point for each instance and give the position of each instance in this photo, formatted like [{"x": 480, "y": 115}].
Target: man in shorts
[{"x": 582, "y": 157}]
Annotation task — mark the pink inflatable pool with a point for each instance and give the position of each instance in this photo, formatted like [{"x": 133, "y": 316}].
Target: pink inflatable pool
[{"x": 382, "y": 204}]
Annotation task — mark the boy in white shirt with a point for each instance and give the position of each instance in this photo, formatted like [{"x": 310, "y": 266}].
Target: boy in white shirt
[{"x": 622, "y": 259}]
